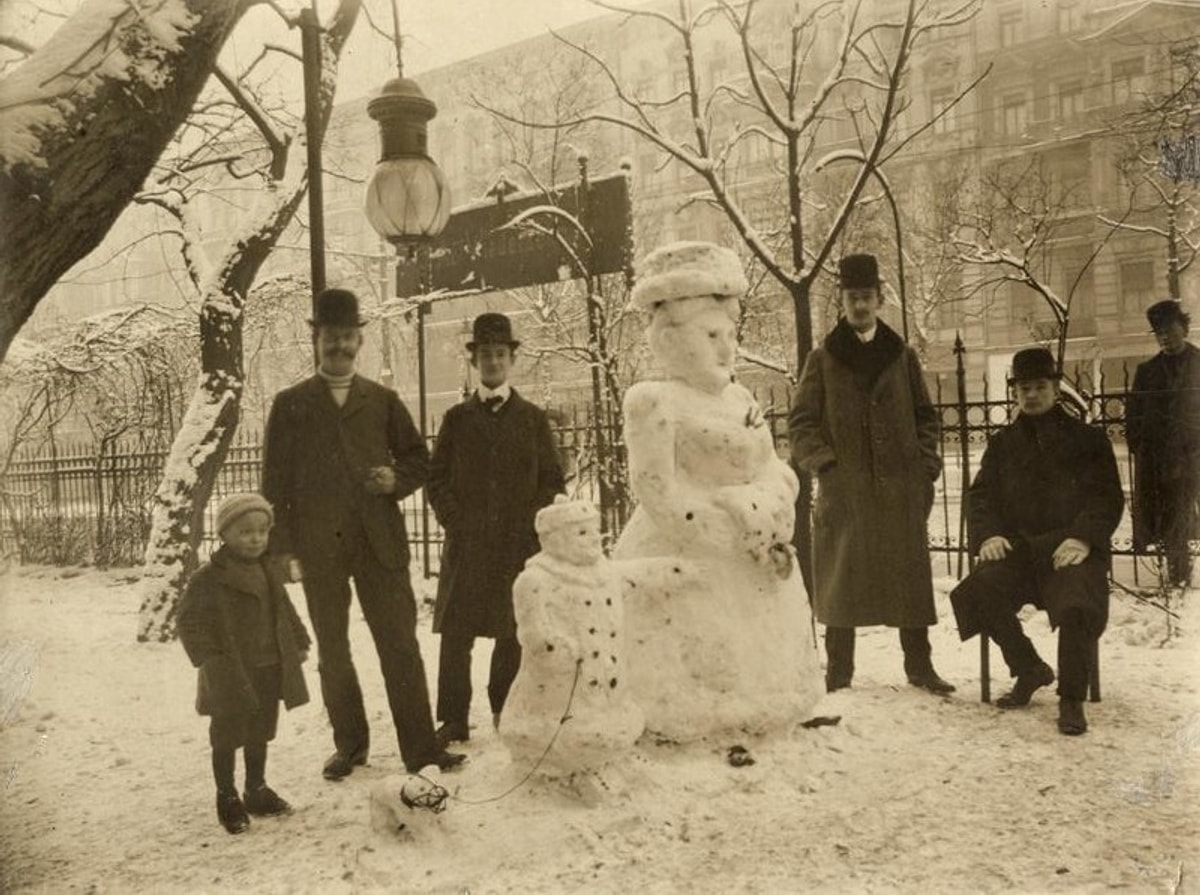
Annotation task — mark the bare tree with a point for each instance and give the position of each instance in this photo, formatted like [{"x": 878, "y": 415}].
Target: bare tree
[
  {"x": 85, "y": 118},
  {"x": 1015, "y": 231},
  {"x": 222, "y": 280},
  {"x": 785, "y": 99},
  {"x": 1159, "y": 165}
]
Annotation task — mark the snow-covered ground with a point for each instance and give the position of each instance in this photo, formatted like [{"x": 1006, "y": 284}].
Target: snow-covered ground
[{"x": 107, "y": 786}]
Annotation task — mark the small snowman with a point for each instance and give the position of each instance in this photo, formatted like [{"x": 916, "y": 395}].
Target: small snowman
[{"x": 570, "y": 708}]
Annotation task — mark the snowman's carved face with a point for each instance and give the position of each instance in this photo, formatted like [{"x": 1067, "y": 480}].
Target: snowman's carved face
[
  {"x": 577, "y": 542},
  {"x": 698, "y": 343}
]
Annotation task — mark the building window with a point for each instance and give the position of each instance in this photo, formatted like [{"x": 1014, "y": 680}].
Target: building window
[
  {"x": 1126, "y": 78},
  {"x": 1137, "y": 285},
  {"x": 1010, "y": 27},
  {"x": 1070, "y": 100},
  {"x": 1013, "y": 111},
  {"x": 939, "y": 100},
  {"x": 1068, "y": 18}
]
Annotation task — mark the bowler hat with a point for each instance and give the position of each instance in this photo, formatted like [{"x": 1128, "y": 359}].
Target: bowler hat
[
  {"x": 1033, "y": 363},
  {"x": 492, "y": 329},
  {"x": 1169, "y": 310},
  {"x": 336, "y": 307},
  {"x": 858, "y": 272}
]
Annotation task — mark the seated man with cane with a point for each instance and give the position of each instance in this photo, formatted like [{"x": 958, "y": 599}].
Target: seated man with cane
[{"x": 1040, "y": 515}]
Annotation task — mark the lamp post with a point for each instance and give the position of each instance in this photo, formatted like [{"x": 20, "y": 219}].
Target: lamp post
[{"x": 408, "y": 202}]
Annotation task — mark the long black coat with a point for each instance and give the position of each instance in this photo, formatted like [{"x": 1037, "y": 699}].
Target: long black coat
[
  {"x": 315, "y": 461},
  {"x": 219, "y": 624},
  {"x": 1162, "y": 425},
  {"x": 489, "y": 475},
  {"x": 874, "y": 448},
  {"x": 1038, "y": 485}
]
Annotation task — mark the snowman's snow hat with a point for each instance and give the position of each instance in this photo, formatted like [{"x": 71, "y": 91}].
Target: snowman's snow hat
[
  {"x": 562, "y": 513},
  {"x": 687, "y": 270}
]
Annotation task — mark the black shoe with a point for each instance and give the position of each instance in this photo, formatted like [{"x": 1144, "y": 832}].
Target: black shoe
[
  {"x": 448, "y": 761},
  {"x": 929, "y": 680},
  {"x": 839, "y": 683},
  {"x": 338, "y": 765},
  {"x": 451, "y": 733},
  {"x": 1071, "y": 720},
  {"x": 1022, "y": 691},
  {"x": 232, "y": 813},
  {"x": 265, "y": 802}
]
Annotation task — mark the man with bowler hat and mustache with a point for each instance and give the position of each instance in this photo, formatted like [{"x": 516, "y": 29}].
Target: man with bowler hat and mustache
[
  {"x": 1162, "y": 425},
  {"x": 863, "y": 424},
  {"x": 494, "y": 466},
  {"x": 340, "y": 453},
  {"x": 1040, "y": 514}
]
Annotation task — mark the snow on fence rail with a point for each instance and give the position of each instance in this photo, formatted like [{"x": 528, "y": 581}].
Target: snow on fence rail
[{"x": 90, "y": 503}]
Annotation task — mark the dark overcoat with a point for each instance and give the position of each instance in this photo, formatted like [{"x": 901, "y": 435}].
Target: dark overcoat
[
  {"x": 875, "y": 454},
  {"x": 219, "y": 625},
  {"x": 1037, "y": 486},
  {"x": 316, "y": 457},
  {"x": 489, "y": 475},
  {"x": 1162, "y": 426}
]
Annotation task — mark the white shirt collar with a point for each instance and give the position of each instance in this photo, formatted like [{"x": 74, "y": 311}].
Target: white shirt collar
[
  {"x": 503, "y": 391},
  {"x": 868, "y": 335}
]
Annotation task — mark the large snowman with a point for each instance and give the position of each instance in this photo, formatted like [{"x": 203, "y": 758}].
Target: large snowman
[{"x": 719, "y": 628}]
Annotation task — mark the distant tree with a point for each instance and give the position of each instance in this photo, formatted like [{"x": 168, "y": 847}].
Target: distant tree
[{"x": 1159, "y": 164}]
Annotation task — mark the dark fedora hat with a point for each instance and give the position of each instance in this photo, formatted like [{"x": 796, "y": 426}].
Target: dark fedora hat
[
  {"x": 492, "y": 329},
  {"x": 1165, "y": 312},
  {"x": 336, "y": 307},
  {"x": 858, "y": 272},
  {"x": 1033, "y": 363}
]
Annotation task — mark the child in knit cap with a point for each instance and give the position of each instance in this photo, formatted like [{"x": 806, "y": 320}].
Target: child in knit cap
[{"x": 240, "y": 629}]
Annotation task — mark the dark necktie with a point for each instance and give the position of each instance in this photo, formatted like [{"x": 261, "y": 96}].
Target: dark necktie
[{"x": 493, "y": 403}]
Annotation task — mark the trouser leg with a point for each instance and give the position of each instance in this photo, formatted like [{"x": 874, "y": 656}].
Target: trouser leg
[
  {"x": 390, "y": 608},
  {"x": 1177, "y": 526},
  {"x": 454, "y": 679},
  {"x": 1074, "y": 655},
  {"x": 328, "y": 599},
  {"x": 917, "y": 651},
  {"x": 839, "y": 657},
  {"x": 990, "y": 598},
  {"x": 506, "y": 662}
]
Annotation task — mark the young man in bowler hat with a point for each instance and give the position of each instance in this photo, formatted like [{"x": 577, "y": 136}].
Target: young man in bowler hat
[
  {"x": 494, "y": 466},
  {"x": 1162, "y": 425},
  {"x": 341, "y": 451},
  {"x": 863, "y": 424},
  {"x": 1040, "y": 514}
]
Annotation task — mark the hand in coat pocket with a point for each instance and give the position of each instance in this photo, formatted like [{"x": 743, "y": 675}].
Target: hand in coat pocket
[{"x": 222, "y": 688}]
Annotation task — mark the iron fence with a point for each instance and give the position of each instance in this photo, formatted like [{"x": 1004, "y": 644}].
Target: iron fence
[{"x": 89, "y": 504}]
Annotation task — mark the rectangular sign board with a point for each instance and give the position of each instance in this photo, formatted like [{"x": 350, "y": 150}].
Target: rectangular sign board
[{"x": 477, "y": 251}]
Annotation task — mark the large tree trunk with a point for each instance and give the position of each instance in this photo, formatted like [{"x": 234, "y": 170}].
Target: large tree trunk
[
  {"x": 83, "y": 130},
  {"x": 202, "y": 444}
]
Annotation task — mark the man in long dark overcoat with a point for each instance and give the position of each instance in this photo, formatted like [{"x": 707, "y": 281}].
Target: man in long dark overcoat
[
  {"x": 863, "y": 424},
  {"x": 1040, "y": 516},
  {"x": 494, "y": 466},
  {"x": 1162, "y": 425},
  {"x": 340, "y": 453}
]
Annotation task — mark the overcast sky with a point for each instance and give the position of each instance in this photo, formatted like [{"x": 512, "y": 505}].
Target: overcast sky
[{"x": 438, "y": 32}]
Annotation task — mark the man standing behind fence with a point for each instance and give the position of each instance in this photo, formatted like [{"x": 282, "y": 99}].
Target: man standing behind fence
[
  {"x": 494, "y": 466},
  {"x": 1163, "y": 428},
  {"x": 341, "y": 451},
  {"x": 863, "y": 424}
]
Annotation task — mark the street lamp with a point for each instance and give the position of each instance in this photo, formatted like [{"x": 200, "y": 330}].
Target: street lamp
[{"x": 408, "y": 201}]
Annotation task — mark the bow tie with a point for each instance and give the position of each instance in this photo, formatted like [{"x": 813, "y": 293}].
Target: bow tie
[{"x": 493, "y": 403}]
